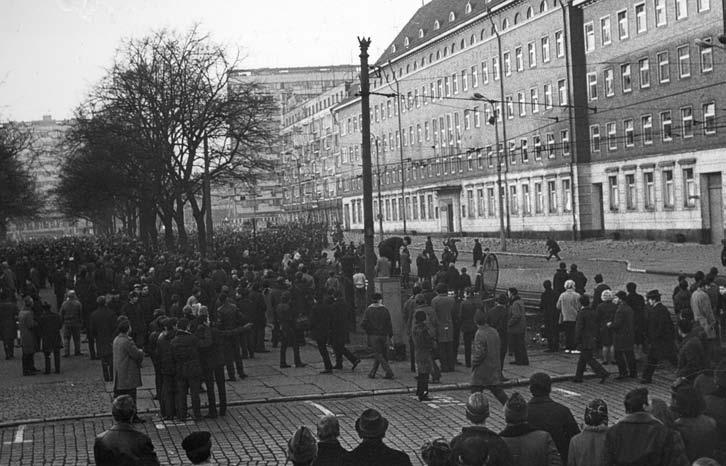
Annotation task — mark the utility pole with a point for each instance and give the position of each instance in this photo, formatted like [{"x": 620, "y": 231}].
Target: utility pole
[
  {"x": 570, "y": 101},
  {"x": 380, "y": 206},
  {"x": 368, "y": 232},
  {"x": 400, "y": 146}
]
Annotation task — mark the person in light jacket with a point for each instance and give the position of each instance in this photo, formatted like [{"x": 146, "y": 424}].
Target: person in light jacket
[
  {"x": 127, "y": 359},
  {"x": 569, "y": 305}
]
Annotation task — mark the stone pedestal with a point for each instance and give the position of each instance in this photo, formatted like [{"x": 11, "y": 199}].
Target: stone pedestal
[{"x": 390, "y": 288}]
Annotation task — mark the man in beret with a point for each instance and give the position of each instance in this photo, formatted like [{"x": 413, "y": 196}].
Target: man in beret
[
  {"x": 477, "y": 411},
  {"x": 640, "y": 438},
  {"x": 371, "y": 428},
  {"x": 661, "y": 336},
  {"x": 122, "y": 444}
]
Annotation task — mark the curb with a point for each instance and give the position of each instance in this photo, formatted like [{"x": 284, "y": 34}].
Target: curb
[{"x": 287, "y": 399}]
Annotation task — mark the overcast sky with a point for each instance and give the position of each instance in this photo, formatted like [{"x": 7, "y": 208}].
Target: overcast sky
[{"x": 53, "y": 51}]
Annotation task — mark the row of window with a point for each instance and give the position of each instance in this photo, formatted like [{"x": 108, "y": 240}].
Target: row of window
[
  {"x": 640, "y": 12},
  {"x": 663, "y": 64},
  {"x": 645, "y": 189},
  {"x": 647, "y": 134}
]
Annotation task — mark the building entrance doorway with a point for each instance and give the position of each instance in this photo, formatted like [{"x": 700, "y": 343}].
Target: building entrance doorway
[{"x": 715, "y": 207}]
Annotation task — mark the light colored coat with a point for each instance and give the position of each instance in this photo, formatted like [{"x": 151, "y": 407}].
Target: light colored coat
[
  {"x": 569, "y": 305},
  {"x": 703, "y": 313},
  {"x": 588, "y": 447},
  {"x": 127, "y": 359},
  {"x": 486, "y": 368}
]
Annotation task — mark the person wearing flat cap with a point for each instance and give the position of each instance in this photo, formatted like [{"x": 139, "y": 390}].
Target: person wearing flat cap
[
  {"x": 122, "y": 445},
  {"x": 661, "y": 336},
  {"x": 371, "y": 428},
  {"x": 198, "y": 446},
  {"x": 477, "y": 411},
  {"x": 330, "y": 452},
  {"x": 640, "y": 438},
  {"x": 302, "y": 448}
]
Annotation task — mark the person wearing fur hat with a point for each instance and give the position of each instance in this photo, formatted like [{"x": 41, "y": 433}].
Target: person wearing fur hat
[
  {"x": 661, "y": 336},
  {"x": 330, "y": 452},
  {"x": 588, "y": 447},
  {"x": 640, "y": 438},
  {"x": 606, "y": 313},
  {"x": 302, "y": 449},
  {"x": 529, "y": 446},
  {"x": 122, "y": 444},
  {"x": 371, "y": 428},
  {"x": 477, "y": 411}
]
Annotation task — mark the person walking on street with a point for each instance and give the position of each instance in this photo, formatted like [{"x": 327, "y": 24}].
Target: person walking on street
[
  {"x": 477, "y": 253},
  {"x": 486, "y": 370},
  {"x": 661, "y": 336},
  {"x": 424, "y": 344},
  {"x": 71, "y": 312},
  {"x": 431, "y": 323},
  {"x": 586, "y": 333},
  {"x": 517, "y": 328},
  {"x": 28, "y": 326},
  {"x": 212, "y": 362},
  {"x": 551, "y": 315},
  {"x": 49, "y": 328},
  {"x": 102, "y": 325},
  {"x": 640, "y": 328},
  {"x": 286, "y": 315},
  {"x": 623, "y": 338},
  {"x": 553, "y": 249},
  {"x": 377, "y": 325},
  {"x": 127, "y": 359},
  {"x": 445, "y": 308},
  {"x": 339, "y": 331},
  {"x": 320, "y": 329},
  {"x": 704, "y": 318},
  {"x": 569, "y": 305}
]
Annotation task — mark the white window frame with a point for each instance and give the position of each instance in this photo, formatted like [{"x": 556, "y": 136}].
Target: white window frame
[
  {"x": 706, "y": 56},
  {"x": 595, "y": 138},
  {"x": 709, "y": 118},
  {"x": 684, "y": 61},
  {"x": 626, "y": 79},
  {"x": 646, "y": 125},
  {"x": 641, "y": 19},
  {"x": 562, "y": 93},
  {"x": 518, "y": 59},
  {"x": 550, "y": 145},
  {"x": 649, "y": 190},
  {"x": 545, "y": 44},
  {"x": 681, "y": 9},
  {"x": 559, "y": 44},
  {"x": 623, "y": 26},
  {"x": 703, "y": 5},
  {"x": 566, "y": 195},
  {"x": 552, "y": 196},
  {"x": 661, "y": 13},
  {"x": 606, "y": 33},
  {"x": 592, "y": 86},
  {"x": 612, "y": 135},
  {"x": 534, "y": 99},
  {"x": 538, "y": 198},
  {"x": 644, "y": 72},
  {"x": 589, "y": 34},
  {"x": 664, "y": 77},
  {"x": 631, "y": 192},
  {"x": 686, "y": 122},
  {"x": 629, "y": 132},
  {"x": 613, "y": 193},
  {"x": 532, "y": 53},
  {"x": 669, "y": 191},
  {"x": 609, "y": 82},
  {"x": 689, "y": 187},
  {"x": 548, "y": 96},
  {"x": 666, "y": 126},
  {"x": 474, "y": 77}
]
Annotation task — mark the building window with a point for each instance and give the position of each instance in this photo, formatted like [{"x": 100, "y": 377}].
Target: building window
[
  {"x": 684, "y": 61},
  {"x": 474, "y": 77},
  {"x": 681, "y": 9},
  {"x": 614, "y": 193},
  {"x": 623, "y": 25},
  {"x": 467, "y": 120},
  {"x": 524, "y": 149},
  {"x": 526, "y": 200},
  {"x": 646, "y": 122},
  {"x": 625, "y": 78},
  {"x": 630, "y": 192},
  {"x": 565, "y": 137},
  {"x": 666, "y": 126},
  {"x": 510, "y": 107},
  {"x": 664, "y": 69},
  {"x": 545, "y": 49},
  {"x": 669, "y": 193},
  {"x": 689, "y": 188},
  {"x": 495, "y": 68},
  {"x": 706, "y": 56},
  {"x": 414, "y": 200},
  {"x": 484, "y": 72},
  {"x": 521, "y": 103},
  {"x": 660, "y": 13},
  {"x": 703, "y": 5},
  {"x": 477, "y": 118},
  {"x": 439, "y": 89},
  {"x": 480, "y": 202},
  {"x": 394, "y": 210},
  {"x": 518, "y": 59},
  {"x": 447, "y": 86},
  {"x": 595, "y": 138},
  {"x": 644, "y": 67},
  {"x": 534, "y": 99},
  {"x": 430, "y": 201},
  {"x": 592, "y": 86},
  {"x": 648, "y": 190},
  {"x": 559, "y": 44},
  {"x": 490, "y": 156},
  {"x": 562, "y": 92},
  {"x": 491, "y": 202},
  {"x": 513, "y": 201},
  {"x": 609, "y": 88},
  {"x": 640, "y": 21},
  {"x": 612, "y": 136},
  {"x": 548, "y": 96},
  {"x": 709, "y": 118},
  {"x": 532, "y": 50},
  {"x": 538, "y": 198},
  {"x": 566, "y": 196},
  {"x": 422, "y": 199},
  {"x": 605, "y": 34},
  {"x": 507, "y": 63},
  {"x": 552, "y": 196},
  {"x": 589, "y": 37},
  {"x": 629, "y": 135},
  {"x": 550, "y": 145},
  {"x": 537, "y": 143},
  {"x": 687, "y": 122}
]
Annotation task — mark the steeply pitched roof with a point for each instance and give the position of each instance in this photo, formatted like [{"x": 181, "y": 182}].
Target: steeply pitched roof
[{"x": 424, "y": 20}]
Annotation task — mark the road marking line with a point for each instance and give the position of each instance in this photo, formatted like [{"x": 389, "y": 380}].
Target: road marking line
[
  {"x": 320, "y": 408},
  {"x": 19, "y": 434},
  {"x": 565, "y": 392}
]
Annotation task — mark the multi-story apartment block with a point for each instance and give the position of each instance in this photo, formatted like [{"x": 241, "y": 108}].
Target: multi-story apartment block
[{"x": 605, "y": 113}]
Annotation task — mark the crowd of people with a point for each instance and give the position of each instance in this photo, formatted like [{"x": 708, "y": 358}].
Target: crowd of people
[{"x": 198, "y": 319}]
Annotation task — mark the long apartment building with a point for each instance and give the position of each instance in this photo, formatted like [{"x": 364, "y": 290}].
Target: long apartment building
[{"x": 606, "y": 114}]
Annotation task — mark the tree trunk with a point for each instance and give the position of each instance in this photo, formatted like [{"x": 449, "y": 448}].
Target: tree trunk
[
  {"x": 180, "y": 227},
  {"x": 207, "y": 199},
  {"x": 201, "y": 225}
]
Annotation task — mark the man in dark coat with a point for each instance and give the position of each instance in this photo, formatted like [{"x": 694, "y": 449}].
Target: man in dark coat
[
  {"x": 390, "y": 248},
  {"x": 498, "y": 318},
  {"x": 339, "y": 311},
  {"x": 579, "y": 278},
  {"x": 716, "y": 407},
  {"x": 548, "y": 309},
  {"x": 558, "y": 281},
  {"x": 132, "y": 309},
  {"x": 371, "y": 428},
  {"x": 122, "y": 444},
  {"x": 472, "y": 303},
  {"x": 212, "y": 361},
  {"x": 623, "y": 338},
  {"x": 661, "y": 336},
  {"x": 320, "y": 330},
  {"x": 71, "y": 312},
  {"x": 165, "y": 358},
  {"x": 637, "y": 304},
  {"x": 229, "y": 322},
  {"x": 597, "y": 293},
  {"x": 49, "y": 327},
  {"x": 330, "y": 452},
  {"x": 185, "y": 351},
  {"x": 553, "y": 249},
  {"x": 8, "y": 328},
  {"x": 691, "y": 355},
  {"x": 477, "y": 411},
  {"x": 102, "y": 325},
  {"x": 550, "y": 416},
  {"x": 286, "y": 315},
  {"x": 477, "y": 253},
  {"x": 586, "y": 333},
  {"x": 377, "y": 325}
]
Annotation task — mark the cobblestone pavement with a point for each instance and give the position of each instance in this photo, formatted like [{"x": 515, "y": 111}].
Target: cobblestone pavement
[{"x": 257, "y": 434}]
